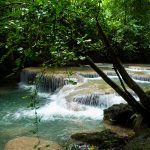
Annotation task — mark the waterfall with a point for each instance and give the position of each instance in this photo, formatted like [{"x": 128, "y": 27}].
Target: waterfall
[
  {"x": 59, "y": 107},
  {"x": 82, "y": 97},
  {"x": 50, "y": 83},
  {"x": 27, "y": 77},
  {"x": 66, "y": 104},
  {"x": 139, "y": 69},
  {"x": 99, "y": 100},
  {"x": 45, "y": 83},
  {"x": 111, "y": 74},
  {"x": 141, "y": 78},
  {"x": 95, "y": 75},
  {"x": 89, "y": 75}
]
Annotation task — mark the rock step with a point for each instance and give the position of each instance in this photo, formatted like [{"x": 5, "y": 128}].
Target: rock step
[{"x": 31, "y": 143}]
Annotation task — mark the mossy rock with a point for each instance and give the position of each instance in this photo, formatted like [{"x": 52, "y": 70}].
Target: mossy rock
[
  {"x": 140, "y": 142},
  {"x": 148, "y": 92},
  {"x": 103, "y": 140},
  {"x": 119, "y": 114}
]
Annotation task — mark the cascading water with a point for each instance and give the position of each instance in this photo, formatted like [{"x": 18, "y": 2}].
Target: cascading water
[
  {"x": 27, "y": 77},
  {"x": 50, "y": 84},
  {"x": 66, "y": 103},
  {"x": 99, "y": 100},
  {"x": 72, "y": 100},
  {"x": 137, "y": 77},
  {"x": 43, "y": 82},
  {"x": 59, "y": 107},
  {"x": 64, "y": 108}
]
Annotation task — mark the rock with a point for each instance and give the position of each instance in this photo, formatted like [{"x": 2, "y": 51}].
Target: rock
[
  {"x": 148, "y": 92},
  {"x": 103, "y": 140},
  {"x": 119, "y": 130},
  {"x": 140, "y": 142},
  {"x": 31, "y": 143},
  {"x": 119, "y": 114}
]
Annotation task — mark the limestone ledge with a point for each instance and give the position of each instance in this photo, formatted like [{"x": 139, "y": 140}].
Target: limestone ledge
[{"x": 31, "y": 143}]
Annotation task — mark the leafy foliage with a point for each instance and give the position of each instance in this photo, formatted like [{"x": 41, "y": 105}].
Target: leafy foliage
[
  {"x": 128, "y": 23},
  {"x": 54, "y": 32}
]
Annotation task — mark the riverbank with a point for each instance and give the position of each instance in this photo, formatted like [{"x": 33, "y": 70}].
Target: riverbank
[{"x": 116, "y": 135}]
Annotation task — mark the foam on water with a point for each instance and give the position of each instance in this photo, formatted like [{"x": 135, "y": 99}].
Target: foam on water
[
  {"x": 53, "y": 111},
  {"x": 146, "y": 70},
  {"x": 141, "y": 81},
  {"x": 33, "y": 88},
  {"x": 26, "y": 87},
  {"x": 44, "y": 95},
  {"x": 99, "y": 78},
  {"x": 58, "y": 107}
]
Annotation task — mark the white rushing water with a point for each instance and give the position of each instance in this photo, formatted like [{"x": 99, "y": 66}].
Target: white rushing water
[
  {"x": 59, "y": 107},
  {"x": 65, "y": 103},
  {"x": 67, "y": 110},
  {"x": 139, "y": 69}
]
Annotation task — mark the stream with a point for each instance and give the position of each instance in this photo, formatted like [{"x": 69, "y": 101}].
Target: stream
[{"x": 71, "y": 109}]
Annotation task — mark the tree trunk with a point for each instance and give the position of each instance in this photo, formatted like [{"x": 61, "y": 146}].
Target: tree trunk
[
  {"x": 142, "y": 107},
  {"x": 128, "y": 98},
  {"x": 144, "y": 98}
]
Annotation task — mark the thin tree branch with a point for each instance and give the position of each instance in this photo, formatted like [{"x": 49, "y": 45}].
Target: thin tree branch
[
  {"x": 130, "y": 100},
  {"x": 145, "y": 99},
  {"x": 122, "y": 84},
  {"x": 121, "y": 81}
]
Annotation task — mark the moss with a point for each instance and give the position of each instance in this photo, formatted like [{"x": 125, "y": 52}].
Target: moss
[
  {"x": 103, "y": 140},
  {"x": 138, "y": 144}
]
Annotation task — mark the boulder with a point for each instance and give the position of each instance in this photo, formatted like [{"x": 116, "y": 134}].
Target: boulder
[
  {"x": 102, "y": 140},
  {"x": 119, "y": 130},
  {"x": 141, "y": 141},
  {"x": 119, "y": 114},
  {"x": 31, "y": 143},
  {"x": 148, "y": 92}
]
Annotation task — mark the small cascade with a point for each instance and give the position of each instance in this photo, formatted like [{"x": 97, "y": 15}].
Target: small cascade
[
  {"x": 110, "y": 73},
  {"x": 99, "y": 100},
  {"x": 145, "y": 78},
  {"x": 140, "y": 73},
  {"x": 45, "y": 83},
  {"x": 89, "y": 75},
  {"x": 139, "y": 69},
  {"x": 95, "y": 75},
  {"x": 27, "y": 77},
  {"x": 60, "y": 108},
  {"x": 141, "y": 78},
  {"x": 50, "y": 83}
]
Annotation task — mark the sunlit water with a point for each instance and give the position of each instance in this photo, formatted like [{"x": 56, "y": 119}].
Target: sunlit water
[{"x": 59, "y": 117}]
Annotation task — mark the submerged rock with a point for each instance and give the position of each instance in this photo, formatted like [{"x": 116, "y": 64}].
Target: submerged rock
[
  {"x": 105, "y": 140},
  {"x": 119, "y": 114},
  {"x": 31, "y": 143}
]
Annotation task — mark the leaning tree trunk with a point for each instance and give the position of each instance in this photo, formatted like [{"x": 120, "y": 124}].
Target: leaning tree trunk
[{"x": 142, "y": 107}]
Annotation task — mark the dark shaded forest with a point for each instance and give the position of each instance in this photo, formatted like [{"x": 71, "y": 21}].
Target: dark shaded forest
[{"x": 55, "y": 32}]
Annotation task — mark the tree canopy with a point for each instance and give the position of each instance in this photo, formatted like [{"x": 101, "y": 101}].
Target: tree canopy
[{"x": 49, "y": 31}]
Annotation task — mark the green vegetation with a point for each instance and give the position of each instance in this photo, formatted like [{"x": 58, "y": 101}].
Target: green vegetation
[
  {"x": 67, "y": 32},
  {"x": 54, "y": 32}
]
